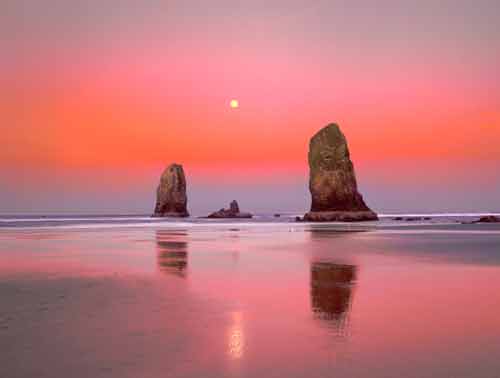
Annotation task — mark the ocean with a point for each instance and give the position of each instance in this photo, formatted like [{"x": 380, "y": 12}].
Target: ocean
[{"x": 143, "y": 220}]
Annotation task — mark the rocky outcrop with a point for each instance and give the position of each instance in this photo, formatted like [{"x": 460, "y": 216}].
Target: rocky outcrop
[
  {"x": 232, "y": 212},
  {"x": 488, "y": 219},
  {"x": 171, "y": 199},
  {"x": 412, "y": 219},
  {"x": 340, "y": 216},
  {"x": 332, "y": 181}
]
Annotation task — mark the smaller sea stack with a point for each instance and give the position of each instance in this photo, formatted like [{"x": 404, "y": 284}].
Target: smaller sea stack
[
  {"x": 232, "y": 212},
  {"x": 332, "y": 181},
  {"x": 171, "y": 199}
]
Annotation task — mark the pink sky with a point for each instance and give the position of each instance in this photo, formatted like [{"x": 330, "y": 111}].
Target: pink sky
[{"x": 99, "y": 98}]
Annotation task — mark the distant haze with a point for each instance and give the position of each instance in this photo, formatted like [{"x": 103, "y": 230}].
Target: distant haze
[{"x": 97, "y": 97}]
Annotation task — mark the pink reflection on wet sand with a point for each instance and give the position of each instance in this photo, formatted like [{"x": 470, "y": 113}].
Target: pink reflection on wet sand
[{"x": 248, "y": 302}]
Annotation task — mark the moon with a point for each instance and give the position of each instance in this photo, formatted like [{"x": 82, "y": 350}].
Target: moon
[{"x": 234, "y": 104}]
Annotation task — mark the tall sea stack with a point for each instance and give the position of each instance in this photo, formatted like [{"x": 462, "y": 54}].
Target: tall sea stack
[
  {"x": 171, "y": 199},
  {"x": 332, "y": 181}
]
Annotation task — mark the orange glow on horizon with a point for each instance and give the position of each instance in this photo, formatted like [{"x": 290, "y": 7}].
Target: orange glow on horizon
[{"x": 100, "y": 131}]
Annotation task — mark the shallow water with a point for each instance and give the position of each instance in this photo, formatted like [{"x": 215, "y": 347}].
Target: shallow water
[{"x": 250, "y": 299}]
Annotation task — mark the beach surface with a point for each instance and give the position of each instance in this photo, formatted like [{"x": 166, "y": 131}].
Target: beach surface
[{"x": 133, "y": 297}]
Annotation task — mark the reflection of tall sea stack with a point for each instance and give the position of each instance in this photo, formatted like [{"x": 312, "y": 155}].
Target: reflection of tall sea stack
[
  {"x": 331, "y": 291},
  {"x": 171, "y": 199},
  {"x": 332, "y": 181}
]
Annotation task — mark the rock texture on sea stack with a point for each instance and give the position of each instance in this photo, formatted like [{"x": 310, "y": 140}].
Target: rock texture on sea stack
[
  {"x": 171, "y": 199},
  {"x": 232, "y": 212},
  {"x": 332, "y": 181}
]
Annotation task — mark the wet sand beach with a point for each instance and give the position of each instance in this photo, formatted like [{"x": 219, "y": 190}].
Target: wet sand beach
[{"x": 250, "y": 299}]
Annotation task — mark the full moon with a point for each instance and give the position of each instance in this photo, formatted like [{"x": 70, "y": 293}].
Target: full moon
[{"x": 234, "y": 104}]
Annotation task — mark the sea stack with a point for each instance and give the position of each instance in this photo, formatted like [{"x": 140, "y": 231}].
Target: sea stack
[
  {"x": 171, "y": 199},
  {"x": 232, "y": 212},
  {"x": 332, "y": 181}
]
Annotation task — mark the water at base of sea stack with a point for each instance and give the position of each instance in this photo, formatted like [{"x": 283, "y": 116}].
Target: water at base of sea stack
[
  {"x": 332, "y": 181},
  {"x": 171, "y": 198}
]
